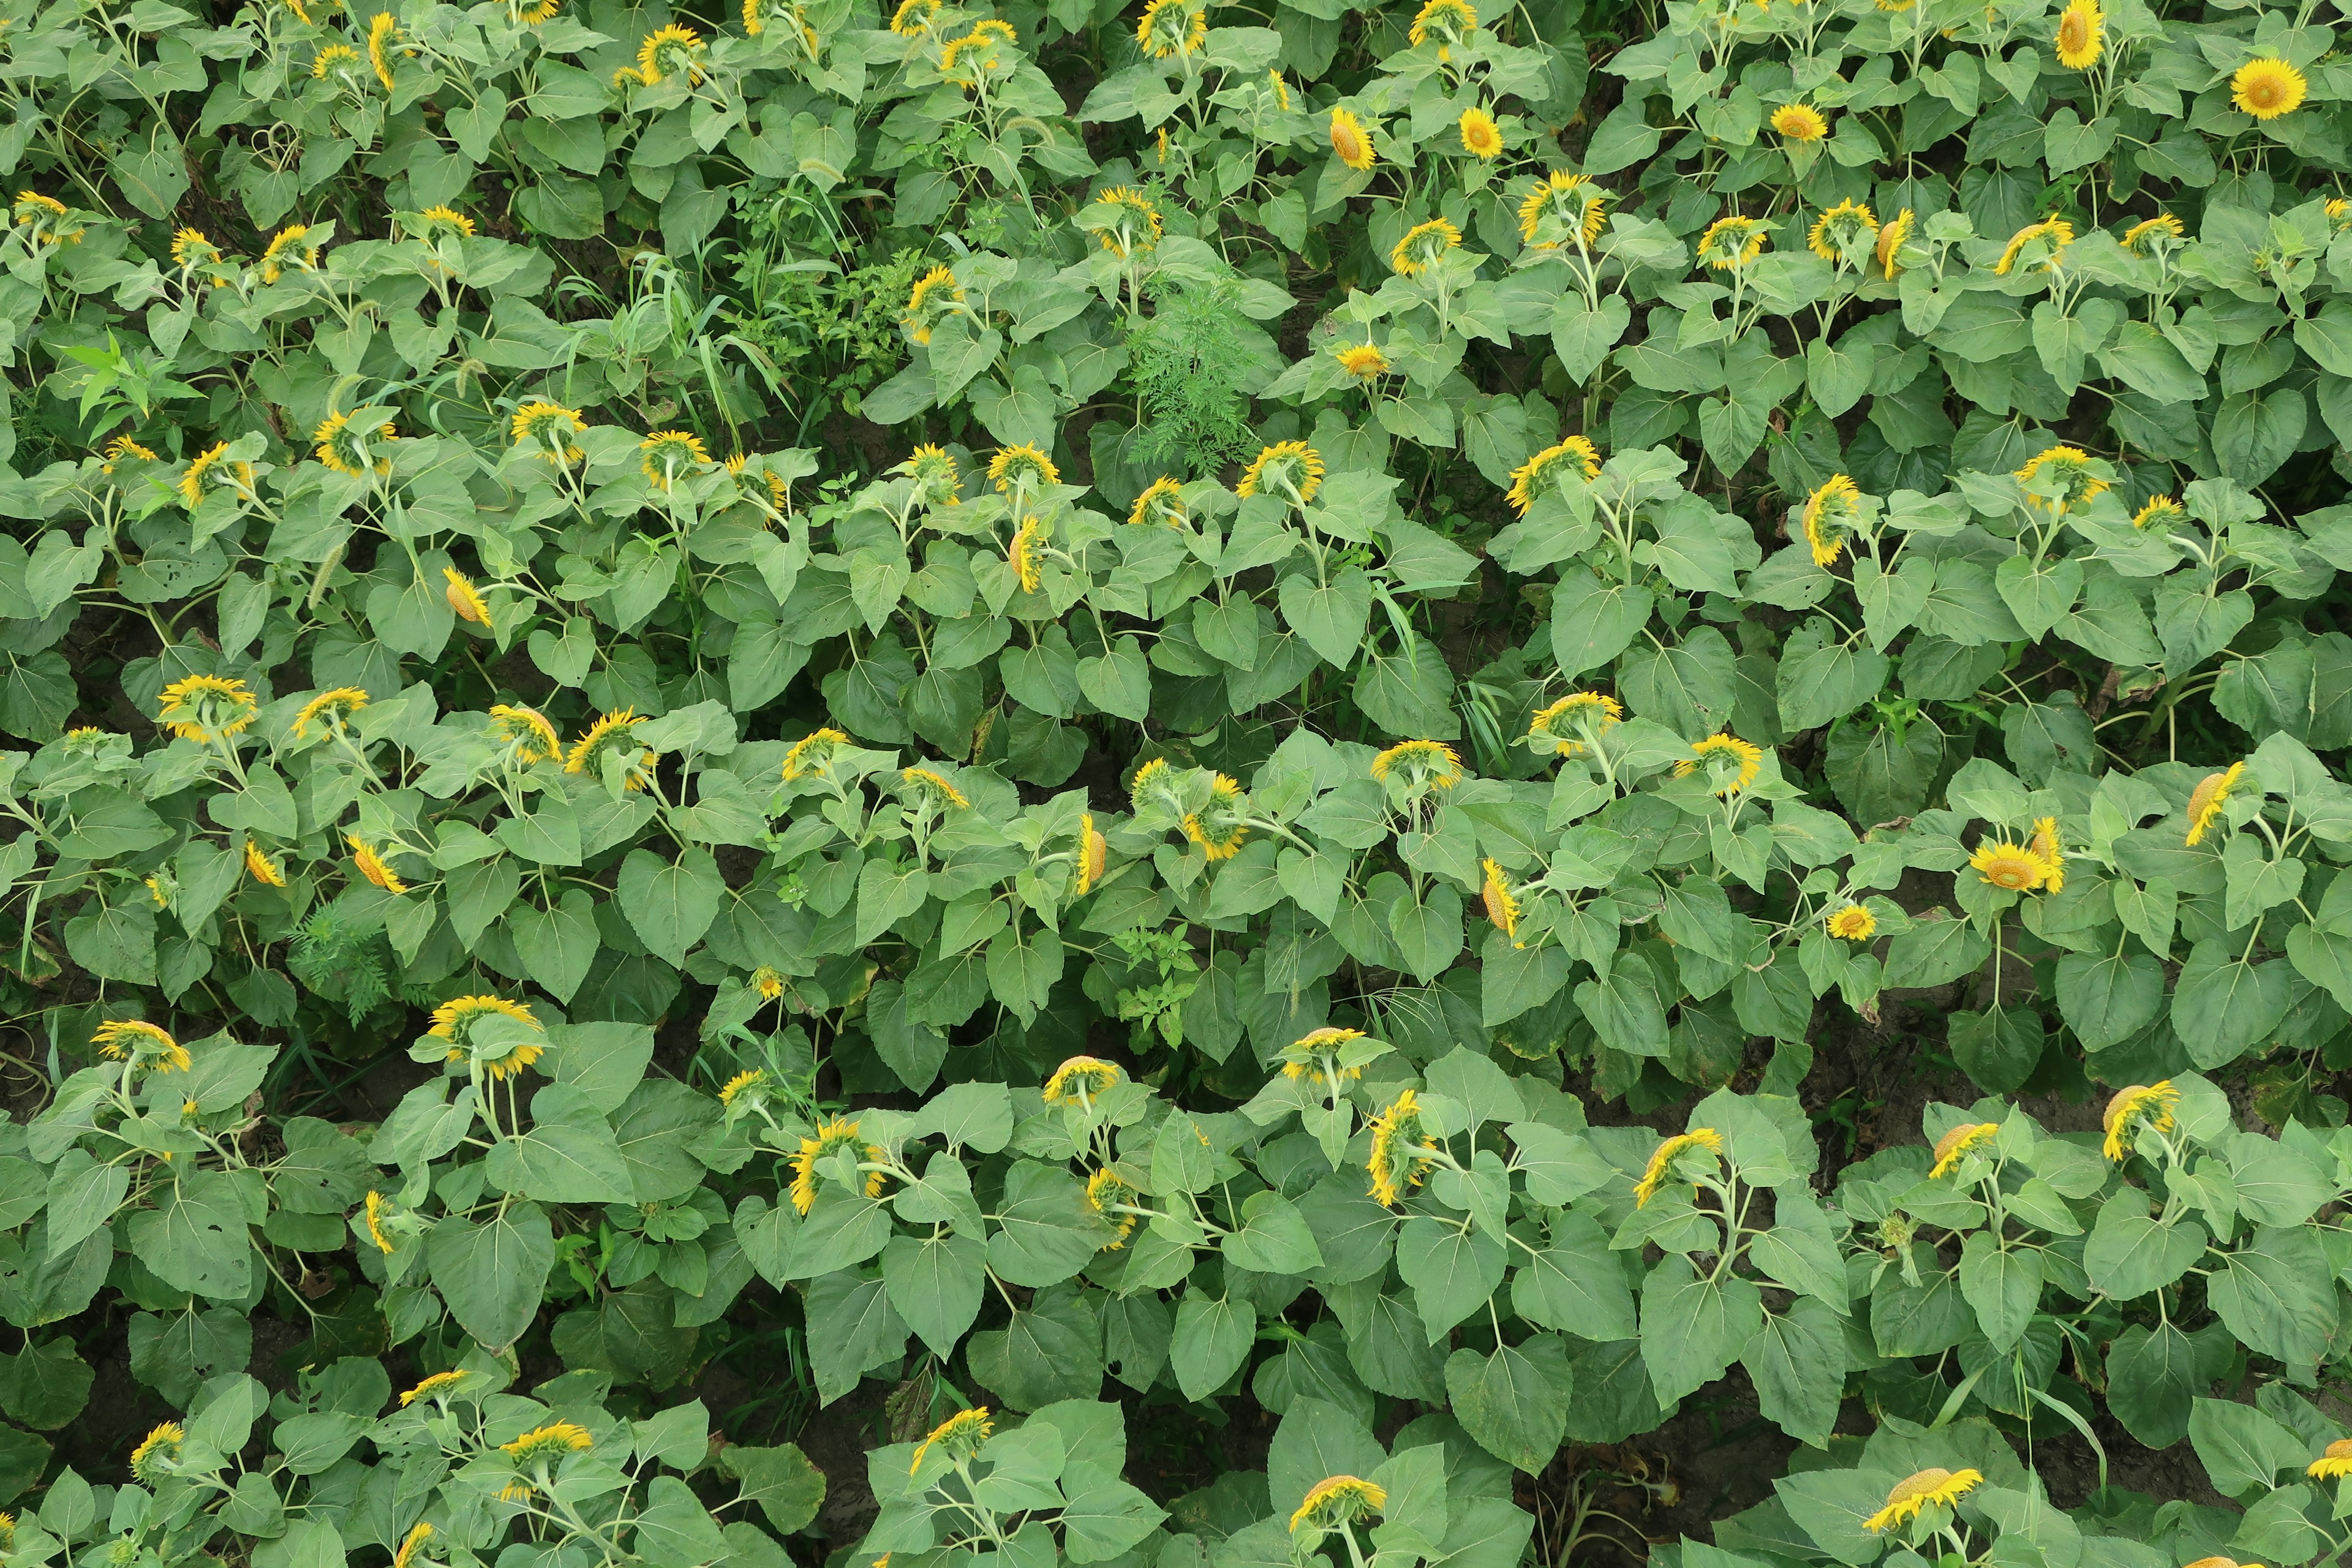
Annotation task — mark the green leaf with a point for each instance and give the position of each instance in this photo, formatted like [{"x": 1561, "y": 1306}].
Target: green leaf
[
  {"x": 1515, "y": 1401},
  {"x": 492, "y": 1274}
]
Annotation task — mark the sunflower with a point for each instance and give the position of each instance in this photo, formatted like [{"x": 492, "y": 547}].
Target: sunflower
[
  {"x": 666, "y": 454},
  {"x": 340, "y": 58},
  {"x": 2013, "y": 866},
  {"x": 839, "y": 1133},
  {"x": 555, "y": 1440},
  {"x": 191, "y": 249},
  {"x": 379, "y": 46},
  {"x": 2267, "y": 89},
  {"x": 673, "y": 47},
  {"x": 433, "y": 1387},
  {"x": 587, "y": 752},
  {"x": 1589, "y": 713},
  {"x": 937, "y": 480},
  {"x": 2334, "y": 1463},
  {"x": 1152, "y": 777},
  {"x": 49, "y": 219},
  {"x": 932, "y": 298},
  {"x": 1561, "y": 204},
  {"x": 261, "y": 868},
  {"x": 1423, "y": 763},
  {"x": 1280, "y": 89},
  {"x": 980, "y": 42},
  {"x": 1450, "y": 21},
  {"x": 1291, "y": 466},
  {"x": 1401, "y": 1156},
  {"x": 206, "y": 708},
  {"x": 1352, "y": 141},
  {"x": 1161, "y": 503},
  {"x": 343, "y": 449},
  {"x": 2069, "y": 468},
  {"x": 374, "y": 1210},
  {"x": 158, "y": 1452},
  {"x": 1891, "y": 240},
  {"x": 1170, "y": 27},
  {"x": 2159, "y": 510},
  {"x": 2136, "y": 1105},
  {"x": 2081, "y": 35},
  {"x": 550, "y": 427},
  {"x": 742, "y": 1083},
  {"x": 2340, "y": 214},
  {"x": 527, "y": 730},
  {"x": 2137, "y": 238},
  {"x": 1110, "y": 1195},
  {"x": 1365, "y": 361},
  {"x": 1080, "y": 1081},
  {"x": 1137, "y": 224},
  {"x": 1494, "y": 893},
  {"x": 1842, "y": 230},
  {"x": 1958, "y": 1141},
  {"x": 440, "y": 217},
  {"x": 913, "y": 18},
  {"x": 418, "y": 1534},
  {"x": 371, "y": 865},
  {"x": 926, "y": 783},
  {"x": 1336, "y": 1500},
  {"x": 2205, "y": 803},
  {"x": 1528, "y": 475},
  {"x": 1829, "y": 515},
  {"x": 1480, "y": 136},
  {"x": 1423, "y": 246},
  {"x": 334, "y": 707},
  {"x": 1093, "y": 855},
  {"x": 960, "y": 1436},
  {"x": 1855, "y": 922},
  {"x": 1719, "y": 750},
  {"x": 1025, "y": 554},
  {"x": 1311, "y": 1057},
  {"x": 1220, "y": 829},
  {"x": 812, "y": 752},
  {"x": 1662, "y": 1160},
  {"x": 1929, "y": 1488},
  {"x": 2046, "y": 843},
  {"x": 1023, "y": 467},
  {"x": 286, "y": 246},
  {"x": 2054, "y": 231},
  {"x": 121, "y": 449},
  {"x": 147, "y": 1047},
  {"x": 1800, "y": 122},
  {"x": 1730, "y": 243},
  {"x": 212, "y": 470}
]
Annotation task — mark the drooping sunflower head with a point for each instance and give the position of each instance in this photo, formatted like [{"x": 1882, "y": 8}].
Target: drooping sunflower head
[
  {"x": 1731, "y": 243},
  {"x": 1220, "y": 826},
  {"x": 937, "y": 479},
  {"x": 1137, "y": 224},
  {"x": 2068, "y": 478},
  {"x": 1563, "y": 207},
  {"x": 289, "y": 247},
  {"x": 211, "y": 470},
  {"x": 455, "y": 1019},
  {"x": 1154, "y": 780},
  {"x": 933, "y": 297},
  {"x": 2160, "y": 513},
  {"x": 343, "y": 445},
  {"x": 2267, "y": 89},
  {"x": 148, "y": 1047},
  {"x": 1401, "y": 1153},
  {"x": 158, "y": 1453},
  {"x": 2013, "y": 868},
  {"x": 1419, "y": 765},
  {"x": 206, "y": 708},
  {"x": 1853, "y": 923},
  {"x": 549, "y": 427},
  {"x": 439, "y": 1386},
  {"x": 191, "y": 249},
  {"x": 1108, "y": 1194},
  {"x": 913, "y": 18},
  {"x": 384, "y": 31},
  {"x": 1026, "y": 554},
  {"x": 1800, "y": 122},
  {"x": 1450, "y": 22},
  {"x": 666, "y": 455},
  {"x": 2207, "y": 801},
  {"x": 1568, "y": 726},
  {"x": 1280, "y": 89},
  {"x": 1289, "y": 468},
  {"x": 1021, "y": 466},
  {"x": 838, "y": 1133},
  {"x": 2133, "y": 1106},
  {"x": 1699, "y": 1143},
  {"x": 48, "y": 220},
  {"x": 338, "y": 60},
  {"x": 610, "y": 733},
  {"x": 1481, "y": 137},
  {"x": 670, "y": 50},
  {"x": 122, "y": 449},
  {"x": 1832, "y": 514},
  {"x": 527, "y": 730},
  {"x": 1312, "y": 1057},
  {"x": 2044, "y": 242},
  {"x": 1352, "y": 141},
  {"x": 438, "y": 219},
  {"x": 1843, "y": 233},
  {"x": 967, "y": 60},
  {"x": 1161, "y": 505},
  {"x": 1365, "y": 361},
  {"x": 332, "y": 709},
  {"x": 1958, "y": 1141},
  {"x": 1730, "y": 764},
  {"x": 1423, "y": 246},
  {"x": 812, "y": 753},
  {"x": 2154, "y": 233},
  {"x": 2081, "y": 35},
  {"x": 375, "y": 1210},
  {"x": 1171, "y": 28},
  {"x": 1080, "y": 1079},
  {"x": 930, "y": 787},
  {"x": 742, "y": 1085},
  {"x": 411, "y": 1546},
  {"x": 261, "y": 868},
  {"x": 1932, "y": 1488},
  {"x": 1495, "y": 894},
  {"x": 546, "y": 1444},
  {"x": 1888, "y": 248},
  {"x": 1093, "y": 856},
  {"x": 2045, "y": 843},
  {"x": 957, "y": 1438},
  {"x": 1547, "y": 469},
  {"x": 1338, "y": 1500}
]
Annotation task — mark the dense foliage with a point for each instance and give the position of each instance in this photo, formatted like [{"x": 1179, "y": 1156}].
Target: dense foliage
[{"x": 1016, "y": 737}]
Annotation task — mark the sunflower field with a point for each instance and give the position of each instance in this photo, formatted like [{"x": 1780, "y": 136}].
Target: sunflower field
[{"x": 932, "y": 784}]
